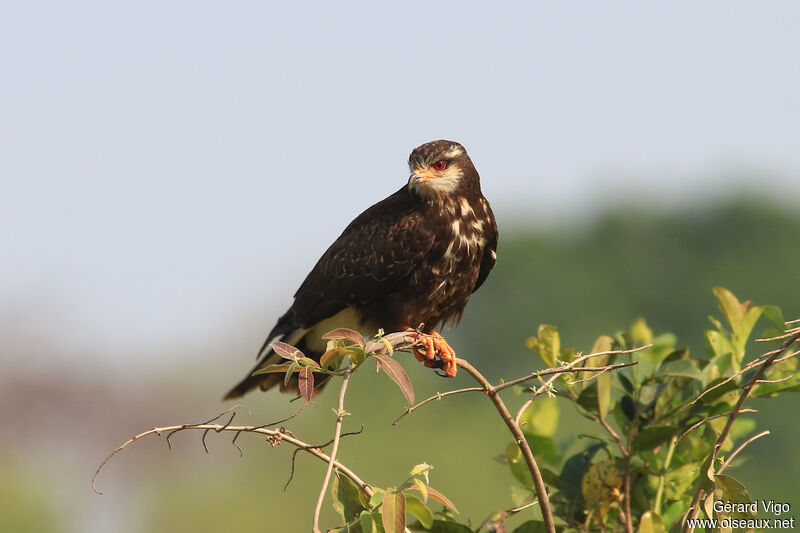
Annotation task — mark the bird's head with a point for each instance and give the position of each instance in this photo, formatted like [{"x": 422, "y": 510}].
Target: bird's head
[{"x": 439, "y": 169}]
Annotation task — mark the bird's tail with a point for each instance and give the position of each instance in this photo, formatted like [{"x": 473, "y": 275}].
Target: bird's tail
[{"x": 288, "y": 333}]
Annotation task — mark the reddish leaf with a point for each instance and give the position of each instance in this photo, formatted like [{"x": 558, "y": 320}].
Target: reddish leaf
[
  {"x": 345, "y": 335},
  {"x": 287, "y": 351},
  {"x": 393, "y": 511},
  {"x": 441, "y": 498},
  {"x": 305, "y": 382},
  {"x": 395, "y": 371}
]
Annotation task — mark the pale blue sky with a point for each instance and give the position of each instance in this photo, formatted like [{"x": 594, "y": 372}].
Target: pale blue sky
[{"x": 167, "y": 166}]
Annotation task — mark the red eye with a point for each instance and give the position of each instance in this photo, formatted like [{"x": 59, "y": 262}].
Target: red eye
[{"x": 440, "y": 165}]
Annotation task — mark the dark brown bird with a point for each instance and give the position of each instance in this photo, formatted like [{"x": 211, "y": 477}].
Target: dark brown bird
[{"x": 413, "y": 258}]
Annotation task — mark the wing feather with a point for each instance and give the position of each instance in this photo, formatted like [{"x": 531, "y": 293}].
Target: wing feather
[{"x": 377, "y": 251}]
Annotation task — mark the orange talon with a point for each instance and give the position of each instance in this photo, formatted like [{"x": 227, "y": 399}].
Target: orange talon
[{"x": 430, "y": 346}]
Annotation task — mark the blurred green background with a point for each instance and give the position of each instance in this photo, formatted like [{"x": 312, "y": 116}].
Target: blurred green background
[{"x": 588, "y": 279}]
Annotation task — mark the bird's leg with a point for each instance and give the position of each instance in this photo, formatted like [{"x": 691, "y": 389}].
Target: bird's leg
[{"x": 428, "y": 346}]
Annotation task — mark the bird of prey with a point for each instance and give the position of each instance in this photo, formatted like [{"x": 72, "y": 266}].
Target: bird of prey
[{"x": 408, "y": 263}]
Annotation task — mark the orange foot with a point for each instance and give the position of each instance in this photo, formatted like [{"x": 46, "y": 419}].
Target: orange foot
[{"x": 431, "y": 345}]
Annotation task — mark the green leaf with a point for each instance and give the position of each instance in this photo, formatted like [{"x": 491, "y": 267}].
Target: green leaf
[
  {"x": 346, "y": 496},
  {"x": 674, "y": 512},
  {"x": 669, "y": 396},
  {"x": 393, "y": 511},
  {"x": 603, "y": 343},
  {"x": 377, "y": 498},
  {"x": 550, "y": 477},
  {"x": 548, "y": 344},
  {"x": 357, "y": 355},
  {"x": 422, "y": 469},
  {"x": 651, "y": 437},
  {"x": 544, "y": 448},
  {"x": 685, "y": 368},
  {"x": 742, "y": 318},
  {"x": 718, "y": 342},
  {"x": 442, "y": 526},
  {"x": 418, "y": 509},
  {"x": 307, "y": 361},
  {"x": 521, "y": 496},
  {"x": 541, "y": 418},
  {"x": 531, "y": 526},
  {"x": 370, "y": 523},
  {"x": 734, "y": 491},
  {"x": 651, "y": 523},
  {"x": 395, "y": 371},
  {"x": 641, "y": 332},
  {"x": 293, "y": 367},
  {"x": 572, "y": 474},
  {"x": 588, "y": 398},
  {"x": 730, "y": 306},
  {"x": 742, "y": 332},
  {"x": 333, "y": 358},
  {"x": 519, "y": 468},
  {"x": 626, "y": 383},
  {"x": 422, "y": 488},
  {"x": 716, "y": 368},
  {"x": 679, "y": 480},
  {"x": 713, "y": 396}
]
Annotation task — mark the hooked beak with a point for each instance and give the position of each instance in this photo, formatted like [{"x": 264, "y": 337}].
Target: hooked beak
[{"x": 420, "y": 176}]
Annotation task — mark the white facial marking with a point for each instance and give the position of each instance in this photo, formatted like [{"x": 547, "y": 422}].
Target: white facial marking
[
  {"x": 443, "y": 184},
  {"x": 453, "y": 152}
]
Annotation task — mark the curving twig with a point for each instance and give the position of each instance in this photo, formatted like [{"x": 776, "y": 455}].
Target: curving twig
[
  {"x": 709, "y": 419},
  {"x": 274, "y": 436},
  {"x": 519, "y": 438},
  {"x": 740, "y": 448},
  {"x": 508, "y": 384},
  {"x": 765, "y": 363},
  {"x": 340, "y": 414}
]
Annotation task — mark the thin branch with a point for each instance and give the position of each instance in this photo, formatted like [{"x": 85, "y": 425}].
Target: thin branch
[
  {"x": 340, "y": 414},
  {"x": 437, "y": 396},
  {"x": 522, "y": 443},
  {"x": 320, "y": 446},
  {"x": 785, "y": 357},
  {"x": 275, "y": 436},
  {"x": 505, "y": 514},
  {"x": 507, "y": 384},
  {"x": 785, "y": 334},
  {"x": 708, "y": 419},
  {"x": 694, "y": 507},
  {"x": 739, "y": 449},
  {"x": 570, "y": 367},
  {"x": 610, "y": 430},
  {"x": 760, "y": 360},
  {"x": 790, "y": 376}
]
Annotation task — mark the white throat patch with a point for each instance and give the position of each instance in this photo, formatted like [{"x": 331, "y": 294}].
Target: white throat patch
[{"x": 446, "y": 183}]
